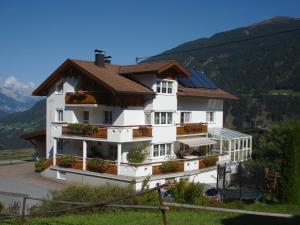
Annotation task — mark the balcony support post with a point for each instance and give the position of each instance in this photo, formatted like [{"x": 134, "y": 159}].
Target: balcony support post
[
  {"x": 119, "y": 154},
  {"x": 54, "y": 151},
  {"x": 84, "y": 153},
  {"x": 221, "y": 145}
]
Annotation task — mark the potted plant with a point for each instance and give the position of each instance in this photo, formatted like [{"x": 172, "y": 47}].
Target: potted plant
[
  {"x": 66, "y": 161},
  {"x": 169, "y": 167},
  {"x": 137, "y": 154},
  {"x": 97, "y": 165}
]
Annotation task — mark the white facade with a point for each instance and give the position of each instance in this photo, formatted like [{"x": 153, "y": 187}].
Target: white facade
[{"x": 164, "y": 113}]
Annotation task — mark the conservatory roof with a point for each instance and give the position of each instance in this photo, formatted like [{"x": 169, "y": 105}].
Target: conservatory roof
[{"x": 226, "y": 133}]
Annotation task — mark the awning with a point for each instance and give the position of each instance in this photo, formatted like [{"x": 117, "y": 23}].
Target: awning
[{"x": 196, "y": 142}]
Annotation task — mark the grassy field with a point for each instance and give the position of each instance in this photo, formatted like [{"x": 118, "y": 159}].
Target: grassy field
[
  {"x": 16, "y": 154},
  {"x": 154, "y": 218}
]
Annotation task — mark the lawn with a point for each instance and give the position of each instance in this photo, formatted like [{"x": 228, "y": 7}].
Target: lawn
[
  {"x": 175, "y": 217},
  {"x": 17, "y": 154}
]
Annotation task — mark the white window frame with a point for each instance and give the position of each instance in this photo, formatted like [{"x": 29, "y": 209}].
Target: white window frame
[
  {"x": 210, "y": 114},
  {"x": 107, "y": 117},
  {"x": 167, "y": 151},
  {"x": 148, "y": 118},
  {"x": 59, "y": 117},
  {"x": 59, "y": 89},
  {"x": 186, "y": 119},
  {"x": 167, "y": 85},
  {"x": 168, "y": 115}
]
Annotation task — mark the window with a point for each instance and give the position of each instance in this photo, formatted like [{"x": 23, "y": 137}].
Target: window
[
  {"x": 185, "y": 117},
  {"x": 210, "y": 117},
  {"x": 147, "y": 118},
  {"x": 162, "y": 150},
  {"x": 86, "y": 117},
  {"x": 248, "y": 143},
  {"x": 165, "y": 87},
  {"x": 59, "y": 145},
  {"x": 245, "y": 143},
  {"x": 60, "y": 88},
  {"x": 108, "y": 117},
  {"x": 59, "y": 115},
  {"x": 163, "y": 118},
  {"x": 155, "y": 150}
]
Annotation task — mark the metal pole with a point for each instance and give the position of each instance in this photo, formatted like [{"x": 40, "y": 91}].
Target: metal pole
[
  {"x": 161, "y": 203},
  {"x": 22, "y": 219}
]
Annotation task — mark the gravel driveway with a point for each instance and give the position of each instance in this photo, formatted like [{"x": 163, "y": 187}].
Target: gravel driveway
[{"x": 21, "y": 178}]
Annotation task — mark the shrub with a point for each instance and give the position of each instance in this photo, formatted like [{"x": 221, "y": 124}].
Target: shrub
[
  {"x": 66, "y": 161},
  {"x": 188, "y": 192},
  {"x": 39, "y": 165},
  {"x": 210, "y": 161},
  {"x": 80, "y": 128},
  {"x": 169, "y": 167},
  {"x": 97, "y": 165},
  {"x": 137, "y": 154},
  {"x": 1, "y": 206}
]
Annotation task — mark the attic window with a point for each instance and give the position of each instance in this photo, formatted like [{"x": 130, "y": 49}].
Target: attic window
[
  {"x": 60, "y": 88},
  {"x": 164, "y": 87}
]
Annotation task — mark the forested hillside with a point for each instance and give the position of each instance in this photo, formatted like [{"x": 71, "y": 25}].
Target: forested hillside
[{"x": 259, "y": 63}]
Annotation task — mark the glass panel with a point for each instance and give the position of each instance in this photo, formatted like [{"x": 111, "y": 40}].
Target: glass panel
[
  {"x": 164, "y": 87},
  {"x": 162, "y": 151},
  {"x": 155, "y": 151},
  {"x": 169, "y": 149},
  {"x": 170, "y": 117},
  {"x": 156, "y": 118},
  {"x": 182, "y": 117},
  {"x": 147, "y": 118},
  {"x": 163, "y": 118},
  {"x": 170, "y": 84},
  {"x": 158, "y": 83},
  {"x": 236, "y": 155},
  {"x": 232, "y": 156}
]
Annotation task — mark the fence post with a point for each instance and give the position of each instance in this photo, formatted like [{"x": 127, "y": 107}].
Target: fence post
[
  {"x": 23, "y": 210},
  {"x": 161, "y": 203}
]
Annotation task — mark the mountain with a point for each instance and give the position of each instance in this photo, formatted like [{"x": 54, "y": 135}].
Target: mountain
[
  {"x": 13, "y": 125},
  {"x": 259, "y": 63},
  {"x": 15, "y": 96}
]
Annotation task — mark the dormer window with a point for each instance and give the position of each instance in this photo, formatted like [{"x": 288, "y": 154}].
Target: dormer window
[
  {"x": 59, "y": 88},
  {"x": 164, "y": 87}
]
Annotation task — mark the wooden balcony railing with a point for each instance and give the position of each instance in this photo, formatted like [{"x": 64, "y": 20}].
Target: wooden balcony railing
[
  {"x": 191, "y": 128},
  {"x": 103, "y": 98},
  {"x": 142, "y": 131},
  {"x": 95, "y": 131}
]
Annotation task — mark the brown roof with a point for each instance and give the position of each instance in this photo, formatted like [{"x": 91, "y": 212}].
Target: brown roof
[
  {"x": 157, "y": 67},
  {"x": 34, "y": 135},
  {"x": 108, "y": 76},
  {"x": 205, "y": 93}
]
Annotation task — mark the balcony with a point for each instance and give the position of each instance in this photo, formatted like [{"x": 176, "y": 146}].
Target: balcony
[
  {"x": 102, "y": 98},
  {"x": 191, "y": 128},
  {"x": 110, "y": 133}
]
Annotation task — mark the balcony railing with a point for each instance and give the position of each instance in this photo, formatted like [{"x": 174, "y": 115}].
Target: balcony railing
[
  {"x": 83, "y": 97},
  {"x": 191, "y": 128},
  {"x": 108, "y": 132}
]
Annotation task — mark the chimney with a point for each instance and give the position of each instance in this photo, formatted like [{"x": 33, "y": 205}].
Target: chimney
[{"x": 99, "y": 58}]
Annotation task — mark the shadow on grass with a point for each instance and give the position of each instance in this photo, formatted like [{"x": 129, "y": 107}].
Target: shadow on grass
[{"x": 261, "y": 220}]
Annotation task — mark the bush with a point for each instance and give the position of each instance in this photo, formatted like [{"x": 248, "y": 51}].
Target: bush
[
  {"x": 80, "y": 128},
  {"x": 1, "y": 206},
  {"x": 66, "y": 161},
  {"x": 169, "y": 167},
  {"x": 137, "y": 154},
  {"x": 97, "y": 165},
  {"x": 188, "y": 192},
  {"x": 39, "y": 165},
  {"x": 210, "y": 161}
]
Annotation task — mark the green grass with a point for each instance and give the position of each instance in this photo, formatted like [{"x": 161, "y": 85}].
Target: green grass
[
  {"x": 16, "y": 154},
  {"x": 174, "y": 217}
]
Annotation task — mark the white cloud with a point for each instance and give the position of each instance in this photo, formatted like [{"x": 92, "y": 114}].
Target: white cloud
[{"x": 16, "y": 89}]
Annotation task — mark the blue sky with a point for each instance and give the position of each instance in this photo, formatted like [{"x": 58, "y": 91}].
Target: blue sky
[{"x": 37, "y": 36}]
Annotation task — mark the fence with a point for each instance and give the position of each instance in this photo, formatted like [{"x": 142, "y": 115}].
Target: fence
[{"x": 163, "y": 206}]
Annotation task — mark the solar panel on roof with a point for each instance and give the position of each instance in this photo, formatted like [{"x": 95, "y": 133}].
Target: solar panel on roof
[{"x": 197, "y": 80}]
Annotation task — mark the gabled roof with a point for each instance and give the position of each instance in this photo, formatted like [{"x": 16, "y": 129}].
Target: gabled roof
[
  {"x": 214, "y": 93},
  {"x": 157, "y": 67},
  {"x": 107, "y": 76}
]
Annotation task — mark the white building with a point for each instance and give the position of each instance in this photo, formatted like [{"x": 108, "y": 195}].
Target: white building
[{"x": 104, "y": 111}]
